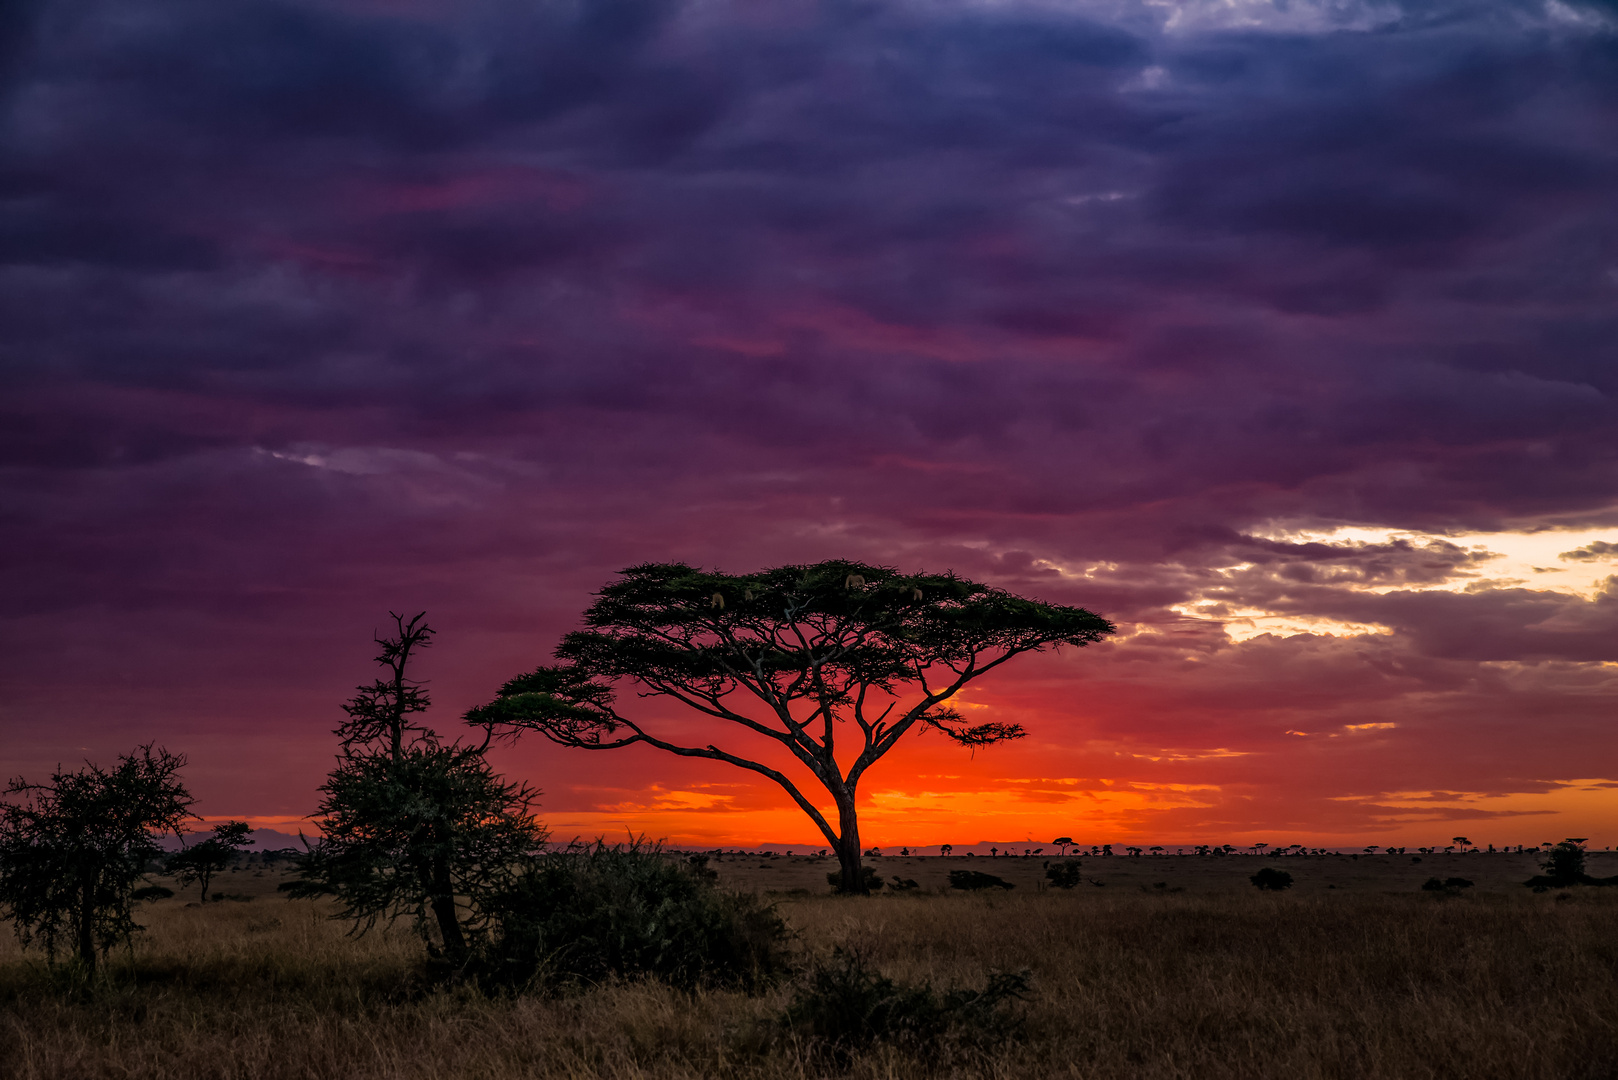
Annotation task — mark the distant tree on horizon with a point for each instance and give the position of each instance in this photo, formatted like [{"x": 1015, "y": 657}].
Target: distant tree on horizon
[
  {"x": 72, "y": 849},
  {"x": 202, "y": 860},
  {"x": 1063, "y": 843},
  {"x": 793, "y": 655}
]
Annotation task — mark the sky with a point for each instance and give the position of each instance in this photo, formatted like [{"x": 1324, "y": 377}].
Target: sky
[{"x": 1283, "y": 333}]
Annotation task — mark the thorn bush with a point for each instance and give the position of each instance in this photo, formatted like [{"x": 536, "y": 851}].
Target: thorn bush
[
  {"x": 1064, "y": 875},
  {"x": 846, "y": 1005},
  {"x": 592, "y": 911},
  {"x": 972, "y": 880},
  {"x": 1270, "y": 879}
]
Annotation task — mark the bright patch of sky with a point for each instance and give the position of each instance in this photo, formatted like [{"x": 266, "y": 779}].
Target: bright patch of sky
[{"x": 1573, "y": 561}]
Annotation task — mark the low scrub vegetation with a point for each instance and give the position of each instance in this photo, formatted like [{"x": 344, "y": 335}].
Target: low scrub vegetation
[
  {"x": 1270, "y": 879},
  {"x": 976, "y": 880},
  {"x": 592, "y": 912},
  {"x": 846, "y": 1005}
]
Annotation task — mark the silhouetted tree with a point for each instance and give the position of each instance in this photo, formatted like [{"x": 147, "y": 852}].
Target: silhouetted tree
[
  {"x": 412, "y": 825},
  {"x": 202, "y": 860},
  {"x": 1063, "y": 842},
  {"x": 71, "y": 850},
  {"x": 945, "y": 849},
  {"x": 789, "y": 655}
]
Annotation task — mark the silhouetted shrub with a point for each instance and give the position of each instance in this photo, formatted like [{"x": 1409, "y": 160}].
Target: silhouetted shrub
[
  {"x": 873, "y": 882},
  {"x": 593, "y": 911},
  {"x": 1564, "y": 866},
  {"x": 152, "y": 892},
  {"x": 845, "y": 1005},
  {"x": 973, "y": 880},
  {"x": 1270, "y": 879},
  {"x": 1452, "y": 886},
  {"x": 1064, "y": 875},
  {"x": 903, "y": 884}
]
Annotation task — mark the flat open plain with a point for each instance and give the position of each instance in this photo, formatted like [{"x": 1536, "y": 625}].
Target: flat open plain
[{"x": 1353, "y": 973}]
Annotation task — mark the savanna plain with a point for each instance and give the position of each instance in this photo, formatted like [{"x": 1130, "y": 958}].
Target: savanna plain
[{"x": 1151, "y": 967}]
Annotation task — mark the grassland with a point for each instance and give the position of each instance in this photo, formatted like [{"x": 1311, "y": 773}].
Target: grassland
[{"x": 1369, "y": 978}]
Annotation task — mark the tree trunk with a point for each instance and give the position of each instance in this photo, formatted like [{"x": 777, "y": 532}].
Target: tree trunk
[
  {"x": 443, "y": 901},
  {"x": 202, "y": 877},
  {"x": 87, "y": 940},
  {"x": 848, "y": 848}
]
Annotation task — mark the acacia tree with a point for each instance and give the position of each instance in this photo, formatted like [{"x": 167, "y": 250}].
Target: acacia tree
[
  {"x": 71, "y": 850},
  {"x": 795, "y": 655},
  {"x": 202, "y": 860},
  {"x": 412, "y": 825}
]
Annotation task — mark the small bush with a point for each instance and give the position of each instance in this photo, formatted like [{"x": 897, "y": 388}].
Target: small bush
[
  {"x": 1064, "y": 875},
  {"x": 972, "y": 880},
  {"x": 1564, "y": 862},
  {"x": 152, "y": 892},
  {"x": 873, "y": 881},
  {"x": 1270, "y": 879},
  {"x": 903, "y": 884},
  {"x": 593, "y": 911},
  {"x": 1451, "y": 886},
  {"x": 846, "y": 1005}
]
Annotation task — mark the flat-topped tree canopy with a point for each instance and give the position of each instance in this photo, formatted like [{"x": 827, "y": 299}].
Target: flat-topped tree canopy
[{"x": 790, "y": 654}]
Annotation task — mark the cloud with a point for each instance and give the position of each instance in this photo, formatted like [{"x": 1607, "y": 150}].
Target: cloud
[
  {"x": 1591, "y": 552},
  {"x": 309, "y": 311}
]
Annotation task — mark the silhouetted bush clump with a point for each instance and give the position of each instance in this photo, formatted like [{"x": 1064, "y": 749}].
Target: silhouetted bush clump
[
  {"x": 1270, "y": 879},
  {"x": 873, "y": 880},
  {"x": 593, "y": 911},
  {"x": 1451, "y": 886},
  {"x": 972, "y": 880},
  {"x": 1064, "y": 875},
  {"x": 846, "y": 1005},
  {"x": 1564, "y": 866}
]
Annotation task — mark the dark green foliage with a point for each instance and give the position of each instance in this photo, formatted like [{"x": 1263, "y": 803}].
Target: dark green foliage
[
  {"x": 434, "y": 833},
  {"x": 872, "y": 880},
  {"x": 1270, "y": 879},
  {"x": 201, "y": 861},
  {"x": 1064, "y": 875},
  {"x": 972, "y": 880},
  {"x": 593, "y": 911},
  {"x": 413, "y": 826},
  {"x": 72, "y": 850},
  {"x": 846, "y": 1005},
  {"x": 793, "y": 655}
]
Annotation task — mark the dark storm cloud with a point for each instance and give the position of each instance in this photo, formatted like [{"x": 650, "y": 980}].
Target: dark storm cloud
[{"x": 304, "y": 305}]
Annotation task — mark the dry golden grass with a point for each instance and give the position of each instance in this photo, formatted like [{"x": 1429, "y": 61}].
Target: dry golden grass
[{"x": 1501, "y": 984}]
